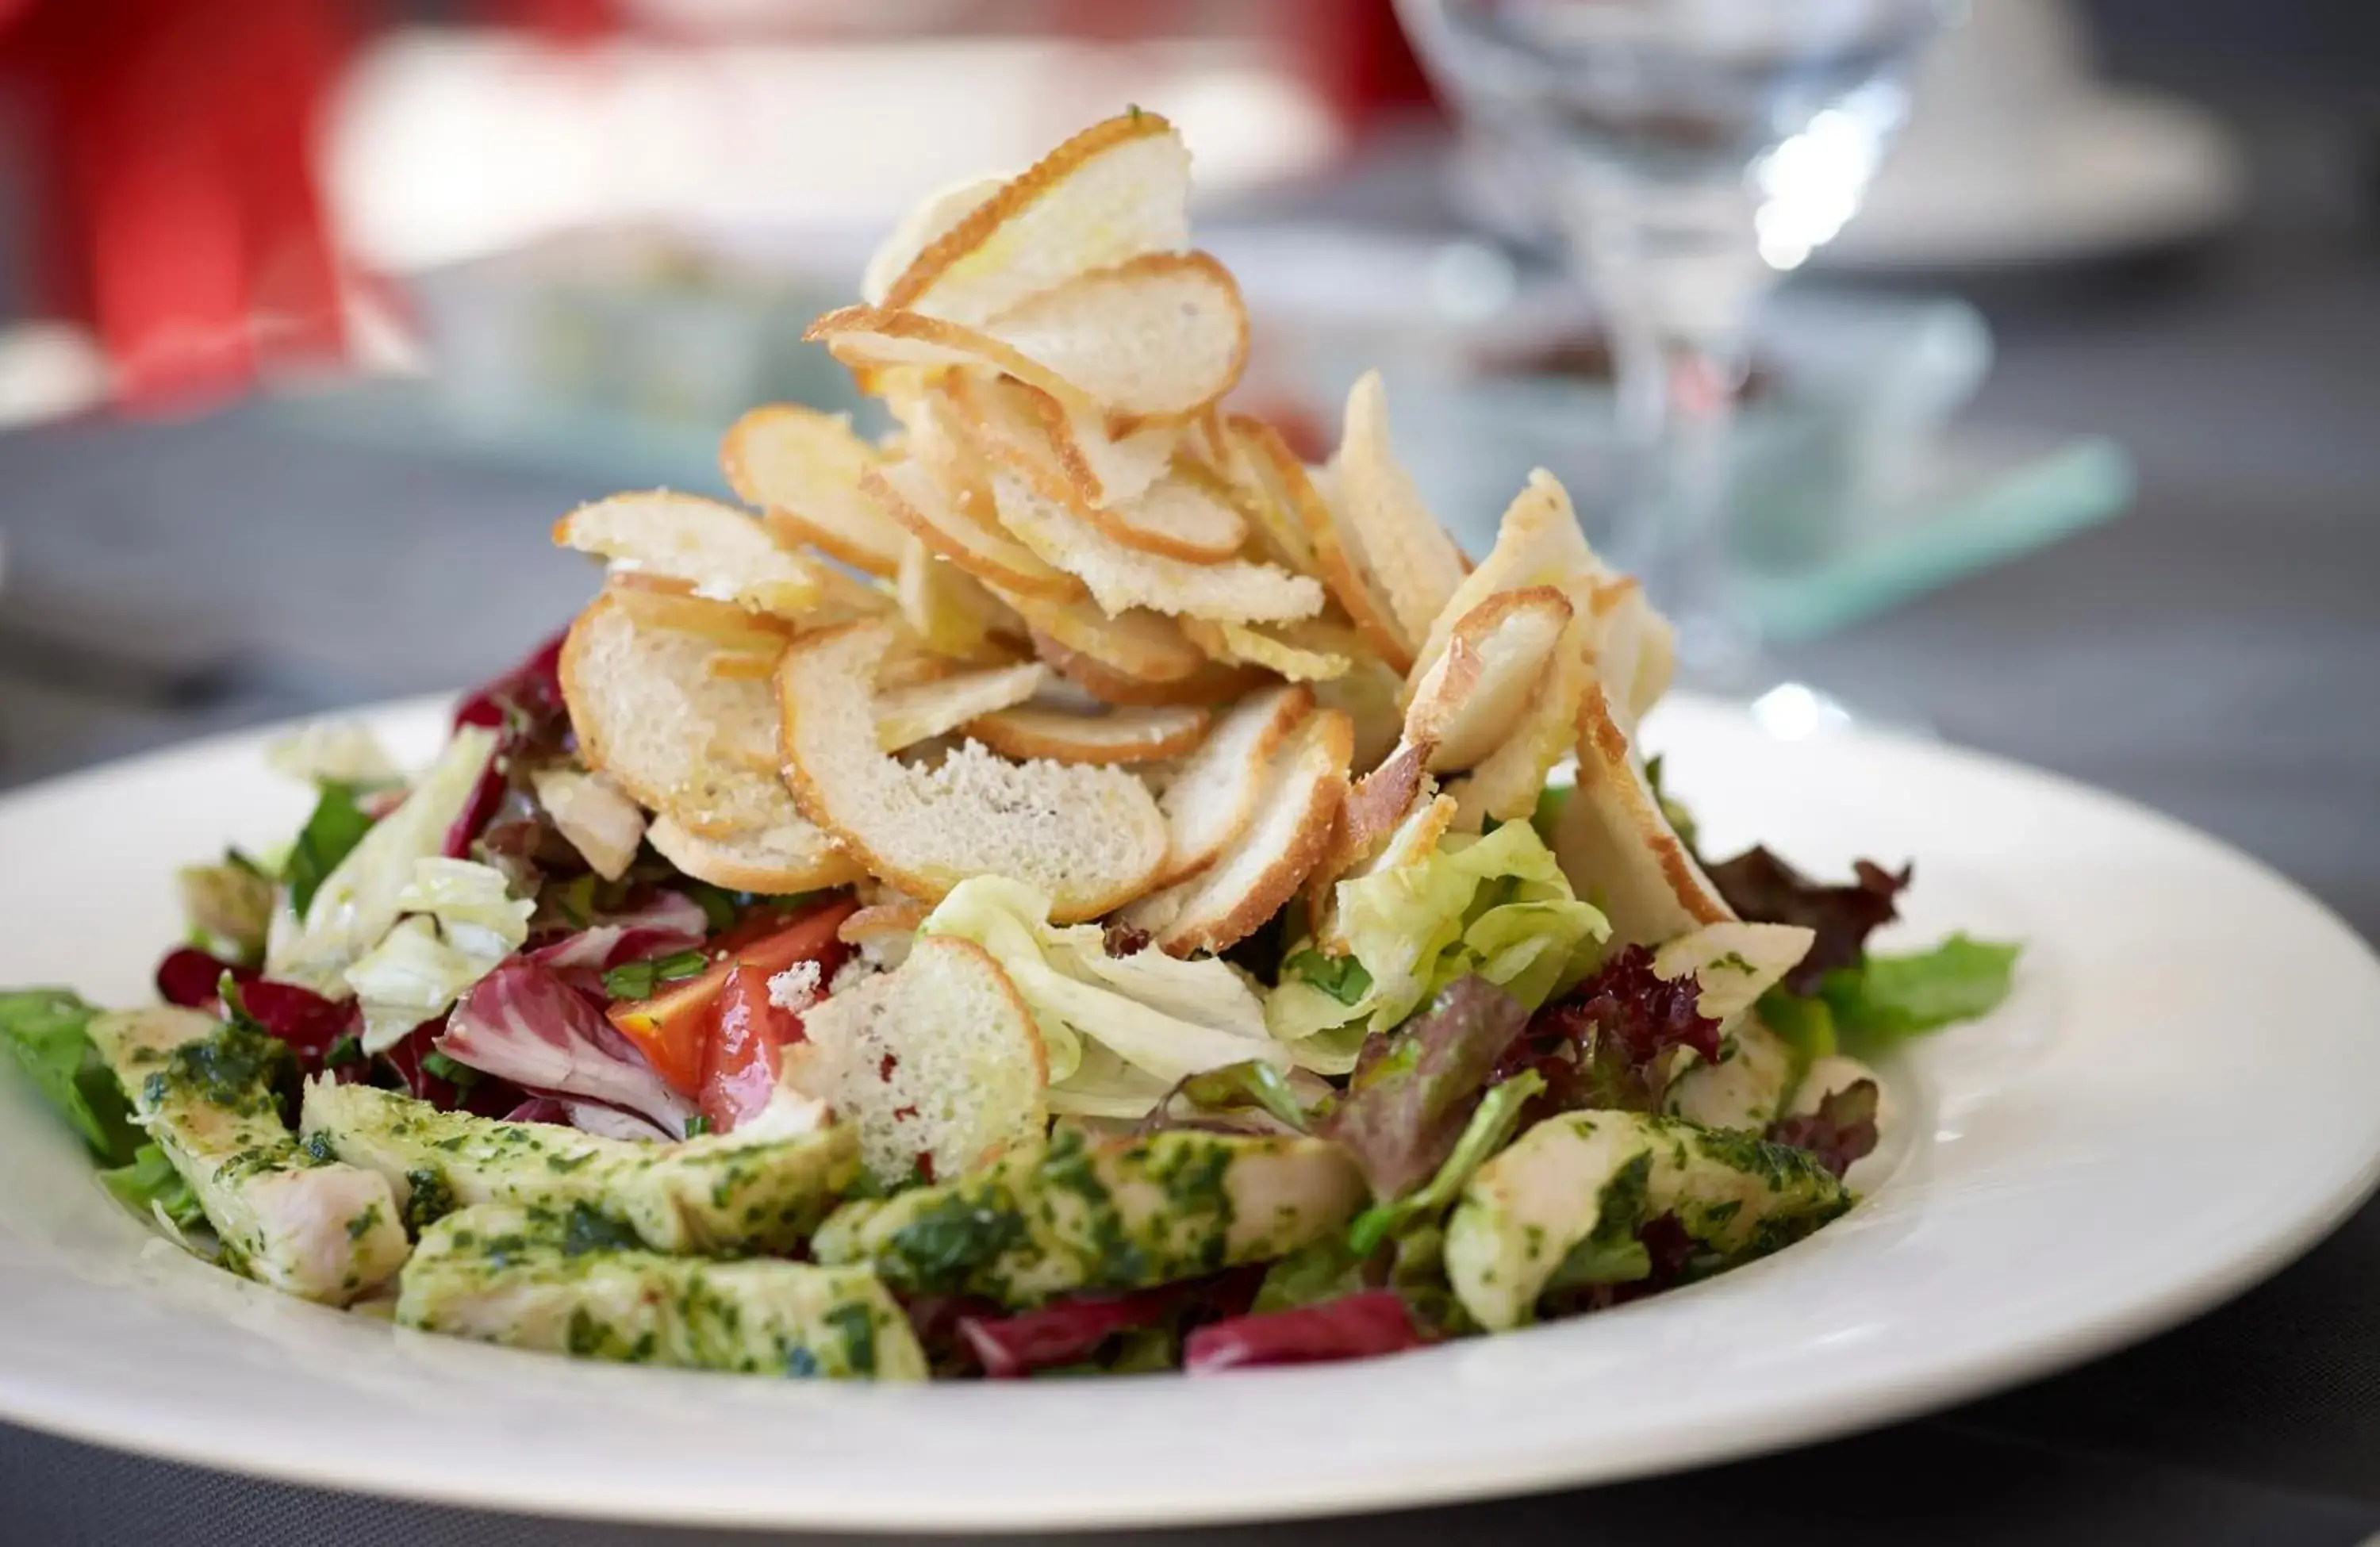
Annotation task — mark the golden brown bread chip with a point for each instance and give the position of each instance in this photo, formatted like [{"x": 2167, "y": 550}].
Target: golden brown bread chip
[
  {"x": 1259, "y": 871},
  {"x": 1118, "y": 190},
  {"x": 1090, "y": 837},
  {"x": 1381, "y": 522},
  {"x": 803, "y": 468},
  {"x": 1617, "y": 846},
  {"x": 1120, "y": 736},
  {"x": 1480, "y": 689},
  {"x": 1211, "y": 682},
  {"x": 721, "y": 553},
  {"x": 921, "y": 505}
]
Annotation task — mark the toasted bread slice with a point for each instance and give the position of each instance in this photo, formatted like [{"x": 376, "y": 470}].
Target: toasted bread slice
[
  {"x": 803, "y": 469},
  {"x": 1368, "y": 694},
  {"x": 905, "y": 716},
  {"x": 1182, "y": 512},
  {"x": 936, "y": 1064},
  {"x": 1618, "y": 847},
  {"x": 1274, "y": 491},
  {"x": 1479, "y": 691},
  {"x": 723, "y": 553},
  {"x": 1381, "y": 516},
  {"x": 1212, "y": 799},
  {"x": 1247, "y": 883},
  {"x": 925, "y": 507},
  {"x": 791, "y": 856},
  {"x": 881, "y": 344},
  {"x": 1090, "y": 837},
  {"x": 925, "y": 223},
  {"x": 1121, "y": 577},
  {"x": 1339, "y": 559},
  {"x": 951, "y": 612},
  {"x": 1113, "y": 193},
  {"x": 1145, "y": 646},
  {"x": 685, "y": 743},
  {"x": 671, "y": 605},
  {"x": 1269, "y": 647},
  {"x": 1537, "y": 543},
  {"x": 1211, "y": 682},
  {"x": 1506, "y": 782},
  {"x": 1375, "y": 806},
  {"x": 1101, "y": 469},
  {"x": 1159, "y": 337},
  {"x": 1120, "y": 736},
  {"x": 1636, "y": 649},
  {"x": 1187, "y": 514}
]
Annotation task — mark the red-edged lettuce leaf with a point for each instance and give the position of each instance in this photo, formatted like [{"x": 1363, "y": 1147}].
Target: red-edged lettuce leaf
[
  {"x": 1351, "y": 1327},
  {"x": 664, "y": 923},
  {"x": 1839, "y": 1131},
  {"x": 1414, "y": 1089},
  {"x": 523, "y": 1023},
  {"x": 1611, "y": 1041},
  {"x": 1766, "y": 890}
]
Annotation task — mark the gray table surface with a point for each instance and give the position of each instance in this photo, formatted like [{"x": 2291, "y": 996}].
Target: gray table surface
[{"x": 2217, "y": 654}]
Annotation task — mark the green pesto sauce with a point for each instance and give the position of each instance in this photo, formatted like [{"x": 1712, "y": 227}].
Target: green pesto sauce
[
  {"x": 947, "y": 1241},
  {"x": 233, "y": 1070},
  {"x": 855, "y": 1325},
  {"x": 431, "y": 1197}
]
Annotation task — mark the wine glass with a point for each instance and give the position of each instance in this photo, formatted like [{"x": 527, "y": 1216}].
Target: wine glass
[{"x": 1687, "y": 152}]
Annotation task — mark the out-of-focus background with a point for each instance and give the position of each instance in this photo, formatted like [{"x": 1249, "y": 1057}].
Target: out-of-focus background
[{"x": 315, "y": 313}]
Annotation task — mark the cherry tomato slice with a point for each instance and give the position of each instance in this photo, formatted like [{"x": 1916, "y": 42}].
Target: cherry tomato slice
[{"x": 674, "y": 1027}]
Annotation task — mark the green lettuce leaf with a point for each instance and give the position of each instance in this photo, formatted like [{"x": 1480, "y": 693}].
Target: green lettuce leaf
[
  {"x": 331, "y": 834},
  {"x": 1887, "y": 998},
  {"x": 47, "y": 1030},
  {"x": 150, "y": 1185},
  {"x": 1120, "y": 1031},
  {"x": 458, "y": 924},
  {"x": 1497, "y": 907},
  {"x": 358, "y": 901}
]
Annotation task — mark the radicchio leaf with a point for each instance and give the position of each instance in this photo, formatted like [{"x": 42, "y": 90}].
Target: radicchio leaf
[
  {"x": 1607, "y": 1043},
  {"x": 191, "y": 978},
  {"x": 1065, "y": 1331},
  {"x": 1414, "y": 1089},
  {"x": 526, "y": 709},
  {"x": 1841, "y": 1132},
  {"x": 665, "y": 923},
  {"x": 1352, "y": 1327},
  {"x": 1766, "y": 890},
  {"x": 607, "y": 1122},
  {"x": 524, "y": 1024}
]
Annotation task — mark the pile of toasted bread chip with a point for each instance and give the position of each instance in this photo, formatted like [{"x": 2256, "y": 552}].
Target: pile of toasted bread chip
[{"x": 1077, "y": 623}]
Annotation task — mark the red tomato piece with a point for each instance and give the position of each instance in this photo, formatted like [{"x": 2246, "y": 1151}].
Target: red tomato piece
[{"x": 676, "y": 1026}]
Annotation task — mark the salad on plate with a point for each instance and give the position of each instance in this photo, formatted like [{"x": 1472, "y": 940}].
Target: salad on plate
[{"x": 1065, "y": 886}]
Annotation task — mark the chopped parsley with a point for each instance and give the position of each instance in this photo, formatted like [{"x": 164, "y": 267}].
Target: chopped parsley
[{"x": 637, "y": 979}]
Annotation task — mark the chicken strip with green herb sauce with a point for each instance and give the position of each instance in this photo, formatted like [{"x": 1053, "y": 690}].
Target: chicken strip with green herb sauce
[
  {"x": 287, "y": 1217},
  {"x": 575, "y": 1282},
  {"x": 750, "y": 1190},
  {"x": 1086, "y": 1214},
  {"x": 1560, "y": 1209}
]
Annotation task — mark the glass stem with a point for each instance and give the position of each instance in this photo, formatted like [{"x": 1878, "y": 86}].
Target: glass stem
[{"x": 1679, "y": 390}]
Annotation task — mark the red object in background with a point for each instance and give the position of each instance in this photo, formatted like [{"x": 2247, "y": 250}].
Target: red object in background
[{"x": 180, "y": 214}]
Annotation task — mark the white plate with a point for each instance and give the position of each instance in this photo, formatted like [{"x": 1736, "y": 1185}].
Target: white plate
[{"x": 2183, "y": 1094}]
